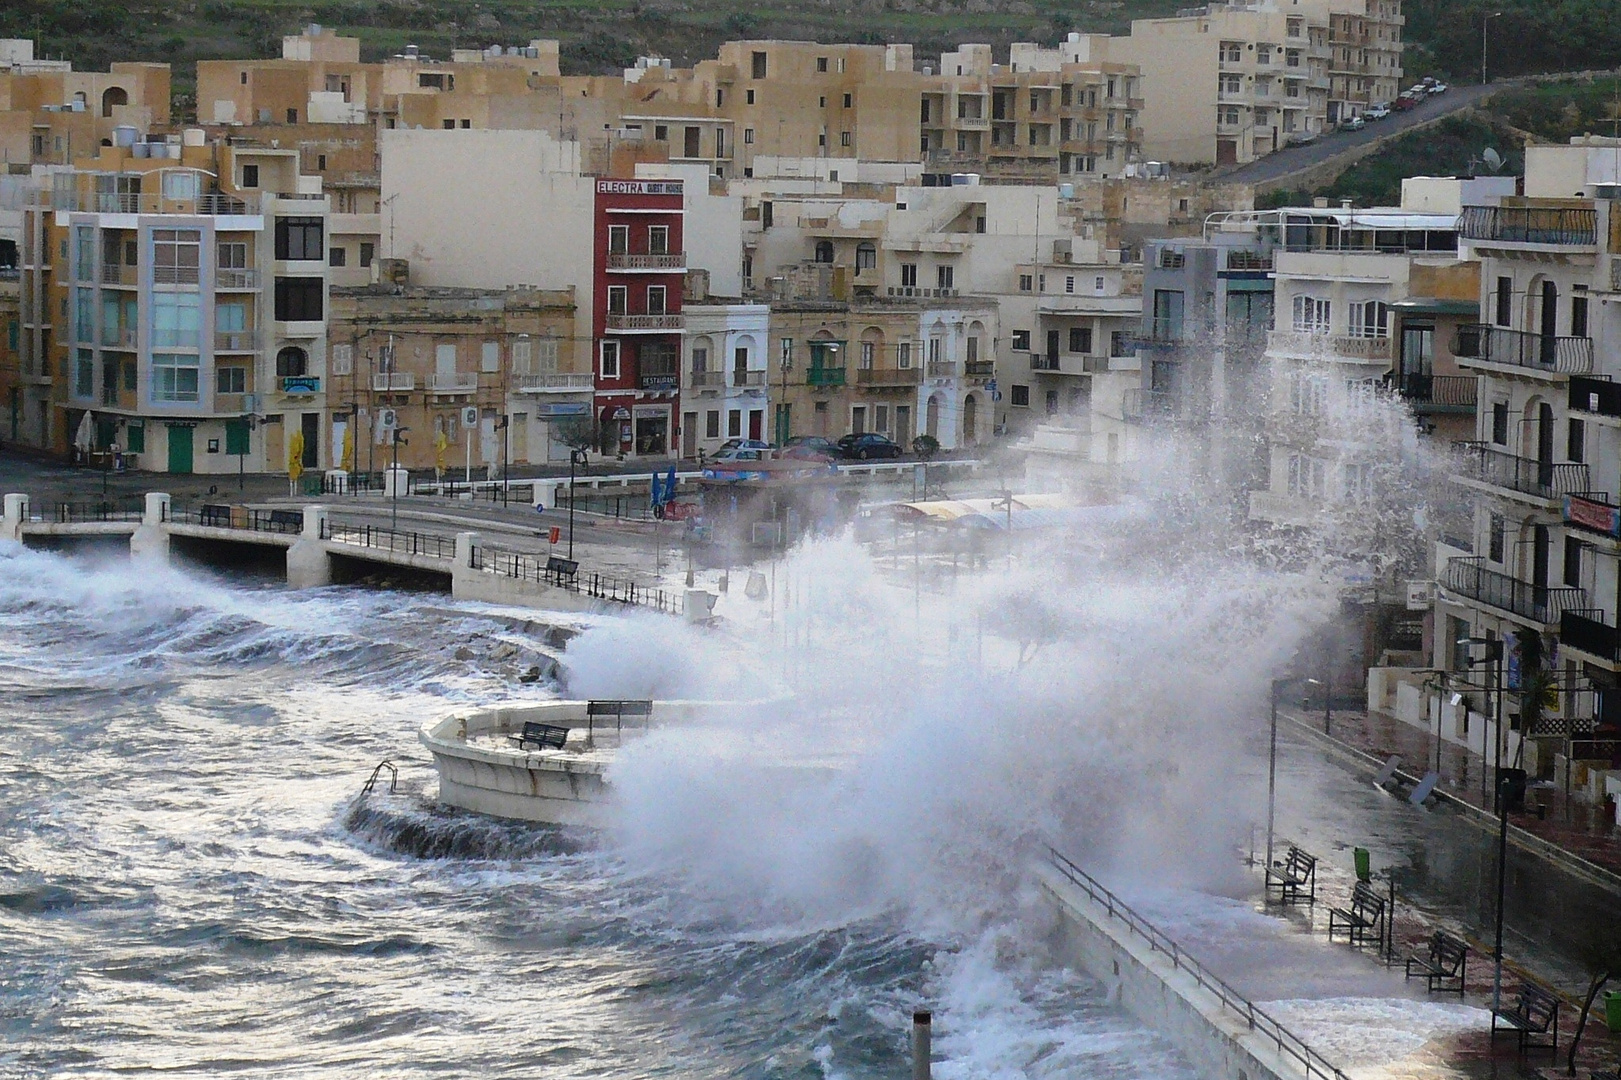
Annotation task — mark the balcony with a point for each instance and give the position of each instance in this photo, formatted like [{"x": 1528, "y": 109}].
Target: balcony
[
  {"x": 387, "y": 382},
  {"x": 1550, "y": 226},
  {"x": 301, "y": 384},
  {"x": 1468, "y": 576},
  {"x": 1543, "y": 480},
  {"x": 236, "y": 341},
  {"x": 123, "y": 339},
  {"x": 236, "y": 279},
  {"x": 1359, "y": 350},
  {"x": 1599, "y": 396},
  {"x": 887, "y": 376},
  {"x": 149, "y": 202},
  {"x": 708, "y": 380},
  {"x": 1585, "y": 630},
  {"x": 1048, "y": 362},
  {"x": 824, "y": 376},
  {"x": 1517, "y": 348},
  {"x": 942, "y": 369},
  {"x": 623, "y": 323},
  {"x": 452, "y": 382},
  {"x": 748, "y": 378},
  {"x": 554, "y": 383},
  {"x": 1138, "y": 405},
  {"x": 1591, "y": 511},
  {"x": 666, "y": 261},
  {"x": 116, "y": 274},
  {"x": 1439, "y": 393},
  {"x": 979, "y": 370},
  {"x": 658, "y": 379}
]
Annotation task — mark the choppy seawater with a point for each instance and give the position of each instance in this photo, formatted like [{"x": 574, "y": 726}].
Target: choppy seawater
[{"x": 189, "y": 884}]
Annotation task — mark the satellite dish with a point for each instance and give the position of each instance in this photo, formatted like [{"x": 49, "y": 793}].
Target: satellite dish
[{"x": 1493, "y": 160}]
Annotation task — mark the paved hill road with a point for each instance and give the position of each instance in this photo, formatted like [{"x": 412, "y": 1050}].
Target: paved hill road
[{"x": 1275, "y": 167}]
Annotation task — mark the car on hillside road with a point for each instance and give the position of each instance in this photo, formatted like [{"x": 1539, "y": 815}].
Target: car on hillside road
[
  {"x": 1403, "y": 103},
  {"x": 869, "y": 445},
  {"x": 1355, "y": 123},
  {"x": 1379, "y": 111},
  {"x": 1439, "y": 88}
]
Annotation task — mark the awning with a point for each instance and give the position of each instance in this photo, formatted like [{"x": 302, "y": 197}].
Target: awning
[{"x": 1434, "y": 305}]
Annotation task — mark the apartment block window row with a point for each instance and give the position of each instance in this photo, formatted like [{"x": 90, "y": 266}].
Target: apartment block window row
[
  {"x": 299, "y": 299},
  {"x": 1311, "y": 315},
  {"x": 175, "y": 377},
  {"x": 300, "y": 239}
]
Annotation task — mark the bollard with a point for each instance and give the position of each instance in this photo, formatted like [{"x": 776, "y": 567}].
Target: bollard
[{"x": 920, "y": 1044}]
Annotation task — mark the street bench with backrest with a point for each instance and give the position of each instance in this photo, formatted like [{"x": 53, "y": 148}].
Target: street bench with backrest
[
  {"x": 616, "y": 709},
  {"x": 1363, "y": 920},
  {"x": 543, "y": 736},
  {"x": 286, "y": 520},
  {"x": 562, "y": 571},
  {"x": 1534, "y": 1013},
  {"x": 1443, "y": 964},
  {"x": 1297, "y": 871},
  {"x": 1613, "y": 1074}
]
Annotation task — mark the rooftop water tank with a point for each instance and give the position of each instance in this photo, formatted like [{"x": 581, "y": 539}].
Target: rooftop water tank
[{"x": 125, "y": 135}]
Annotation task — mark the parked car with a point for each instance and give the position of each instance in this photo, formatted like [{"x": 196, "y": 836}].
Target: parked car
[
  {"x": 741, "y": 453},
  {"x": 811, "y": 448},
  {"x": 869, "y": 445},
  {"x": 1355, "y": 123},
  {"x": 1300, "y": 138},
  {"x": 1379, "y": 111},
  {"x": 1438, "y": 88},
  {"x": 1403, "y": 103},
  {"x": 743, "y": 444}
]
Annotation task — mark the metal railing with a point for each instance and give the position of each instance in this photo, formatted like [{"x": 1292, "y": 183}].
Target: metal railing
[
  {"x": 236, "y": 341},
  {"x": 1585, "y": 629},
  {"x": 401, "y": 543},
  {"x": 1544, "y": 479},
  {"x": 1439, "y": 391},
  {"x": 824, "y": 376},
  {"x": 1559, "y": 226},
  {"x": 625, "y": 260},
  {"x": 453, "y": 382},
  {"x": 225, "y": 516},
  {"x": 623, "y": 321},
  {"x": 942, "y": 369},
  {"x": 524, "y": 566},
  {"x": 117, "y": 274},
  {"x": 1468, "y": 576},
  {"x": 1518, "y": 348},
  {"x": 1259, "y": 1021},
  {"x": 76, "y": 513},
  {"x": 701, "y": 379},
  {"x": 237, "y": 278}
]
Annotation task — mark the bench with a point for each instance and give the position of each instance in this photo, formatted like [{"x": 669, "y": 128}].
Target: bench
[
  {"x": 561, "y": 570},
  {"x": 543, "y": 736},
  {"x": 1297, "y": 871},
  {"x": 1535, "y": 1012},
  {"x": 616, "y": 709},
  {"x": 215, "y": 514},
  {"x": 287, "y": 520},
  {"x": 1442, "y": 964},
  {"x": 1613, "y": 1074},
  {"x": 1363, "y": 921}
]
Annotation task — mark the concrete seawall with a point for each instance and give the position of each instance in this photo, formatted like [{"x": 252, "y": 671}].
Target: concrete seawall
[{"x": 1223, "y": 1036}]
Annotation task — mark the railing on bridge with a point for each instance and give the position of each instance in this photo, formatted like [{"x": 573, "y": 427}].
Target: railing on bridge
[
  {"x": 116, "y": 510},
  {"x": 224, "y": 516},
  {"x": 403, "y": 543},
  {"x": 1259, "y": 1022},
  {"x": 524, "y": 566}
]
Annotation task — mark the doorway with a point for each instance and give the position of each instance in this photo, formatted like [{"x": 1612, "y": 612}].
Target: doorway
[
  {"x": 309, "y": 424},
  {"x": 757, "y": 424},
  {"x": 180, "y": 449},
  {"x": 652, "y": 435},
  {"x": 970, "y": 417},
  {"x": 689, "y": 435}
]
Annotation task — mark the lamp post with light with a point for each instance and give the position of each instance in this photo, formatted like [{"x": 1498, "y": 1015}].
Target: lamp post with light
[
  {"x": 1485, "y": 21},
  {"x": 1272, "y": 760}
]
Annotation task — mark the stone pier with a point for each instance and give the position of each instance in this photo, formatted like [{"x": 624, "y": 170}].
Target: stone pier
[
  {"x": 309, "y": 563},
  {"x": 149, "y": 542}
]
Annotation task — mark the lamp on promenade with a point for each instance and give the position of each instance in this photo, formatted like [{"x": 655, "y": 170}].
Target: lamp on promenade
[
  {"x": 1272, "y": 760},
  {"x": 1494, "y": 656},
  {"x": 394, "y": 476},
  {"x": 575, "y": 457}
]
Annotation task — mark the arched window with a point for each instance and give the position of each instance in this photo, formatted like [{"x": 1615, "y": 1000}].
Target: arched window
[
  {"x": 113, "y": 97},
  {"x": 824, "y": 251},
  {"x": 292, "y": 362}
]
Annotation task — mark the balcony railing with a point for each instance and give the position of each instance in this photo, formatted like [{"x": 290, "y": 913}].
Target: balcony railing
[
  {"x": 1546, "y": 480},
  {"x": 659, "y": 379},
  {"x": 117, "y": 274},
  {"x": 1592, "y": 395},
  {"x": 452, "y": 382},
  {"x": 149, "y": 202},
  {"x": 979, "y": 369},
  {"x": 301, "y": 384},
  {"x": 748, "y": 378},
  {"x": 1592, "y": 511},
  {"x": 1468, "y": 576},
  {"x": 824, "y": 376},
  {"x": 554, "y": 383},
  {"x": 1585, "y": 629},
  {"x": 236, "y": 279},
  {"x": 390, "y": 381},
  {"x": 1554, "y": 226},
  {"x": 1517, "y": 348},
  {"x": 236, "y": 341},
  {"x": 1439, "y": 393},
  {"x": 123, "y": 337},
  {"x": 1332, "y": 346},
  {"x": 708, "y": 380},
  {"x": 626, "y": 260},
  {"x": 1048, "y": 362},
  {"x": 622, "y": 321},
  {"x": 887, "y": 376},
  {"x": 942, "y": 369}
]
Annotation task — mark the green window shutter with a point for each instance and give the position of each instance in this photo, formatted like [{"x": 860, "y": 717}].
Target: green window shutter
[{"x": 236, "y": 437}]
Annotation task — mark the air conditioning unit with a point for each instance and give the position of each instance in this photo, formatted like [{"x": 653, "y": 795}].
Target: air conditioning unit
[
  {"x": 470, "y": 416},
  {"x": 387, "y": 419}
]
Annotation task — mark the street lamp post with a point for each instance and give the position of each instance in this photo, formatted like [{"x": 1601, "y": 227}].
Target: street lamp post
[
  {"x": 1494, "y": 657},
  {"x": 502, "y": 423},
  {"x": 1485, "y": 20},
  {"x": 1272, "y": 763},
  {"x": 394, "y": 479},
  {"x": 575, "y": 457},
  {"x": 1502, "y": 878},
  {"x": 786, "y": 363}
]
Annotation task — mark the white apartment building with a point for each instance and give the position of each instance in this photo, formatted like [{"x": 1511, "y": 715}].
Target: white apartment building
[{"x": 724, "y": 376}]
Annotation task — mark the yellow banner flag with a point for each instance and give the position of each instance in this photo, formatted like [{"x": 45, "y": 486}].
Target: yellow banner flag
[
  {"x": 295, "y": 456},
  {"x": 440, "y": 444},
  {"x": 348, "y": 462}
]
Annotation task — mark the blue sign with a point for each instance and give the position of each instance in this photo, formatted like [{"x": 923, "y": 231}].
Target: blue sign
[{"x": 301, "y": 384}]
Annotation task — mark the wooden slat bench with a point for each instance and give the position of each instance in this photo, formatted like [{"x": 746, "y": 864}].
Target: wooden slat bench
[
  {"x": 616, "y": 709},
  {"x": 1442, "y": 964},
  {"x": 1534, "y": 1013},
  {"x": 1363, "y": 920},
  {"x": 1297, "y": 871},
  {"x": 542, "y": 736}
]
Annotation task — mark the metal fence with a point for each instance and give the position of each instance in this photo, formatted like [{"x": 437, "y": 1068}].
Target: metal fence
[
  {"x": 1544, "y": 479},
  {"x": 403, "y": 543},
  {"x": 1468, "y": 576},
  {"x": 1259, "y": 1021},
  {"x": 1520, "y": 348},
  {"x": 74, "y": 513},
  {"x": 525, "y": 566},
  {"x": 224, "y": 516}
]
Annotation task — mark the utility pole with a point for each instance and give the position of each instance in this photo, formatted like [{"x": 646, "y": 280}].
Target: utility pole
[{"x": 1485, "y": 20}]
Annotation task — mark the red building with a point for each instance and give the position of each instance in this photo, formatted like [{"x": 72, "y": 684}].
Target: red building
[{"x": 640, "y": 264}]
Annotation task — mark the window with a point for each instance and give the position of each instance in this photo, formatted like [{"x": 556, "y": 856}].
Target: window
[
  {"x": 712, "y": 424},
  {"x": 749, "y": 96},
  {"x": 1308, "y": 394},
  {"x": 84, "y": 253},
  {"x": 180, "y": 185},
  {"x": 1576, "y": 441},
  {"x": 1020, "y": 396},
  {"x": 824, "y": 251},
  {"x": 320, "y": 163},
  {"x": 821, "y": 65},
  {"x": 368, "y": 251},
  {"x": 1026, "y": 282},
  {"x": 618, "y": 296},
  {"x": 292, "y": 363},
  {"x": 1505, "y": 301},
  {"x": 1069, "y": 283},
  {"x": 909, "y": 275},
  {"x": 230, "y": 318},
  {"x": 903, "y": 354},
  {"x": 1500, "y": 423},
  {"x": 844, "y": 138},
  {"x": 866, "y": 256},
  {"x": 1494, "y": 538},
  {"x": 610, "y": 359},
  {"x": 748, "y": 133},
  {"x": 785, "y": 352},
  {"x": 1305, "y": 477},
  {"x": 176, "y": 318},
  {"x": 658, "y": 239},
  {"x": 343, "y": 359},
  {"x": 1573, "y": 561},
  {"x": 299, "y": 238},
  {"x": 84, "y": 315},
  {"x": 1356, "y": 482},
  {"x": 233, "y": 255},
  {"x": 937, "y": 346},
  {"x": 618, "y": 239},
  {"x": 299, "y": 299},
  {"x": 84, "y": 374},
  {"x": 1310, "y": 315},
  {"x": 655, "y": 299},
  {"x": 338, "y": 256},
  {"x": 1232, "y": 84},
  {"x": 734, "y": 423},
  {"x": 944, "y": 276},
  {"x": 849, "y": 99},
  {"x": 1080, "y": 339},
  {"x": 231, "y": 380},
  {"x": 174, "y": 377},
  {"x": 700, "y": 361},
  {"x": 1370, "y": 319},
  {"x": 175, "y": 256},
  {"x": 489, "y": 356},
  {"x": 1578, "y": 316},
  {"x": 1021, "y": 340}
]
